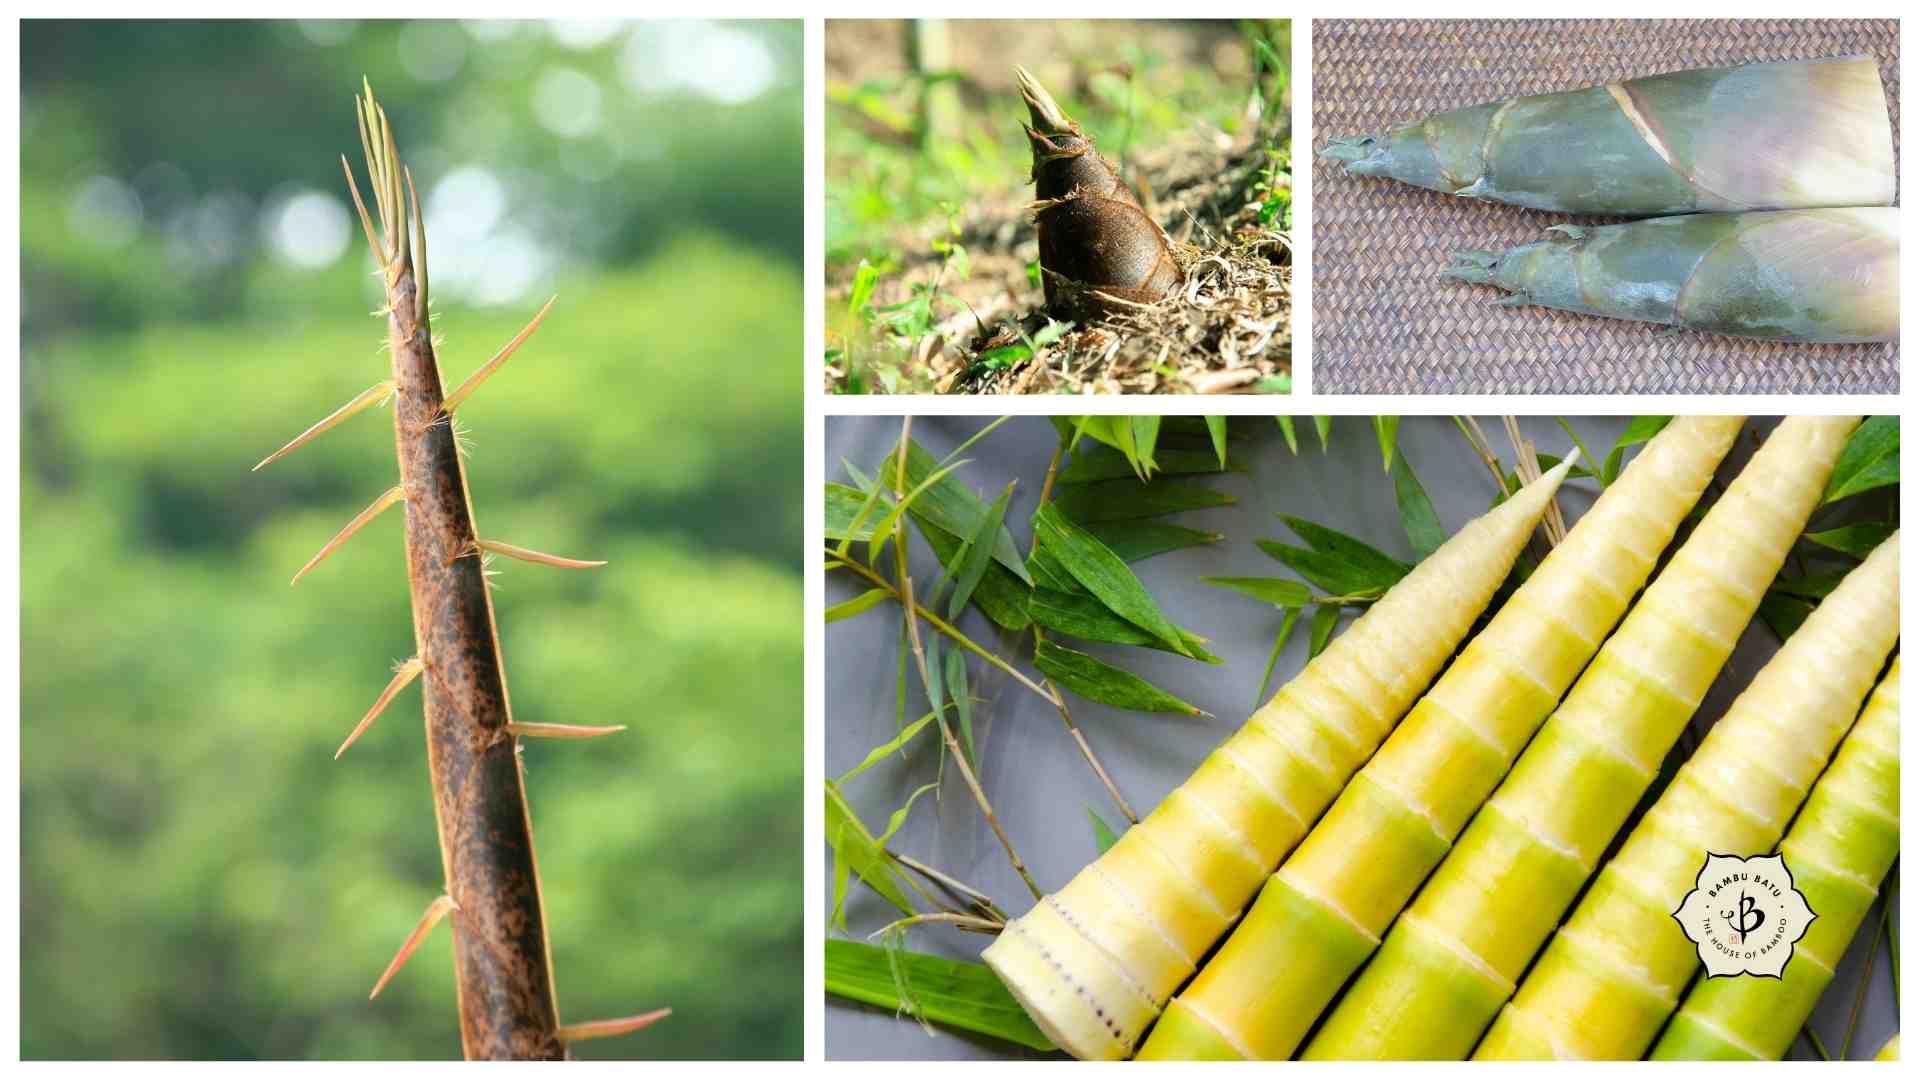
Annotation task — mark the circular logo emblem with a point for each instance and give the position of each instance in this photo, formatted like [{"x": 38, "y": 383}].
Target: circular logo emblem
[{"x": 1744, "y": 915}]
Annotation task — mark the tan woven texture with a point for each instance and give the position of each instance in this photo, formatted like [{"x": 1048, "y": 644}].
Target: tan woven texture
[{"x": 1384, "y": 319}]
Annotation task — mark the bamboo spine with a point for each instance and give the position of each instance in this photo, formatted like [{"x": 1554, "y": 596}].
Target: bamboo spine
[
  {"x": 1319, "y": 918},
  {"x": 1094, "y": 962},
  {"x": 1615, "y": 970},
  {"x": 1454, "y": 956},
  {"x": 1841, "y": 846}
]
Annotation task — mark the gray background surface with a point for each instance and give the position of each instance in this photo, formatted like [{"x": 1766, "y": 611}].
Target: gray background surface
[{"x": 1040, "y": 786}]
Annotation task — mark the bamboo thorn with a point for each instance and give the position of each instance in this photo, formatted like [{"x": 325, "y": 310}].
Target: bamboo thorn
[
  {"x": 371, "y": 396},
  {"x": 512, "y": 551},
  {"x": 402, "y": 675},
  {"x": 435, "y": 912},
  {"x": 562, "y": 731},
  {"x": 601, "y": 1029},
  {"x": 392, "y": 495},
  {"x": 474, "y": 380}
]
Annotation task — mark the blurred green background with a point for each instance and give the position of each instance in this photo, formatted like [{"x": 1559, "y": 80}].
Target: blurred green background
[{"x": 199, "y": 879}]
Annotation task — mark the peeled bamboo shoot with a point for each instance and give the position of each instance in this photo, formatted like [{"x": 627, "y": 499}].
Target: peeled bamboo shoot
[
  {"x": 1455, "y": 954},
  {"x": 1615, "y": 971},
  {"x": 1840, "y": 847},
  {"x": 1790, "y": 275},
  {"x": 1804, "y": 133},
  {"x": 1890, "y": 1051},
  {"x": 1094, "y": 962},
  {"x": 1323, "y": 913},
  {"x": 1095, "y": 240}
]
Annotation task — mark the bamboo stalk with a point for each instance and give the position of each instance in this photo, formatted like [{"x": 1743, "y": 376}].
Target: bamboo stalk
[
  {"x": 1324, "y": 912},
  {"x": 1094, "y": 962},
  {"x": 1840, "y": 847},
  {"x": 502, "y": 967},
  {"x": 1455, "y": 954}
]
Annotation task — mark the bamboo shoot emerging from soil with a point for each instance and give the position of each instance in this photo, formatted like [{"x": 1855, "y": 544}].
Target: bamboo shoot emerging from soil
[
  {"x": 1455, "y": 954},
  {"x": 1790, "y": 275},
  {"x": 1805, "y": 133},
  {"x": 502, "y": 967},
  {"x": 1840, "y": 847},
  {"x": 1094, "y": 962},
  {"x": 1615, "y": 971},
  {"x": 1323, "y": 913},
  {"x": 1096, "y": 243}
]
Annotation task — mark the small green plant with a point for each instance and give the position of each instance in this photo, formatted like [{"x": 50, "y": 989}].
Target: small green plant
[{"x": 502, "y": 966}]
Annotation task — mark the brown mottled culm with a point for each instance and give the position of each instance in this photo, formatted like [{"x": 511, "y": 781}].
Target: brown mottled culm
[
  {"x": 502, "y": 966},
  {"x": 1098, "y": 249}
]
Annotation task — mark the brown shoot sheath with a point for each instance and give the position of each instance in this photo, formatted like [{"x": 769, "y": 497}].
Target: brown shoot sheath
[{"x": 502, "y": 965}]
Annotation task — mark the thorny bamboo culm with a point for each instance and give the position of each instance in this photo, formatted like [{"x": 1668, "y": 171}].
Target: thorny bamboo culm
[{"x": 502, "y": 965}]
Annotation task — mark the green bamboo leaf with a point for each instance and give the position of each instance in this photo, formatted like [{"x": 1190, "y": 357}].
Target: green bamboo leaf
[
  {"x": 1049, "y": 574},
  {"x": 884, "y": 530},
  {"x": 1136, "y": 540},
  {"x": 952, "y": 505},
  {"x": 859, "y": 605},
  {"x": 1100, "y": 462},
  {"x": 956, "y": 993},
  {"x": 1103, "y": 837},
  {"x": 962, "y": 704},
  {"x": 1417, "y": 516},
  {"x": 1279, "y": 592},
  {"x": 1811, "y": 586},
  {"x": 1324, "y": 617},
  {"x": 1331, "y": 573},
  {"x": 1217, "y": 430},
  {"x": 856, "y": 850},
  {"x": 898, "y": 742},
  {"x": 1359, "y": 554},
  {"x": 1639, "y": 430},
  {"x": 1387, "y": 430},
  {"x": 1081, "y": 615},
  {"x": 1146, "y": 439},
  {"x": 977, "y": 554},
  {"x": 999, "y": 595},
  {"x": 845, "y": 517},
  {"x": 1857, "y": 540},
  {"x": 1104, "y": 574},
  {"x": 1286, "y": 429},
  {"x": 974, "y": 438},
  {"x": 1279, "y": 642},
  {"x": 1871, "y": 459},
  {"x": 1783, "y": 614},
  {"x": 1098, "y": 681},
  {"x": 1127, "y": 500},
  {"x": 899, "y": 817},
  {"x": 1323, "y": 426}
]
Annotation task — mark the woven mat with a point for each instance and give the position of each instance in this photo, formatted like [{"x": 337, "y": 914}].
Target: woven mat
[{"x": 1386, "y": 322}]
